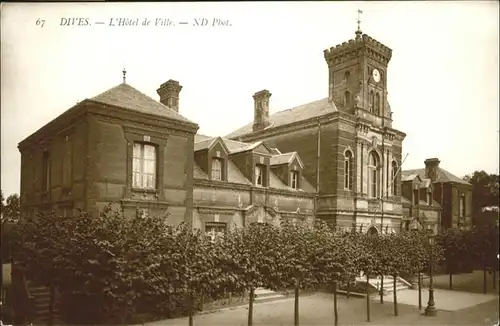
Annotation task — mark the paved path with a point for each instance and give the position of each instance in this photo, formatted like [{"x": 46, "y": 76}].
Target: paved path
[
  {"x": 318, "y": 310},
  {"x": 444, "y": 299}
]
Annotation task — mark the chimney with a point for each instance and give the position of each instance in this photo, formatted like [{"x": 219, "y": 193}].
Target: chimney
[
  {"x": 261, "y": 110},
  {"x": 169, "y": 94},
  {"x": 431, "y": 168}
]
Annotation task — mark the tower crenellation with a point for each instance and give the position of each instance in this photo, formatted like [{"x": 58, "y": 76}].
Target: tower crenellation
[
  {"x": 357, "y": 72},
  {"x": 366, "y": 44}
]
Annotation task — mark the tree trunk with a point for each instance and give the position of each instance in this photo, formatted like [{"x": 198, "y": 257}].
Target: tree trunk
[
  {"x": 451, "y": 280},
  {"x": 419, "y": 291},
  {"x": 335, "y": 311},
  {"x": 382, "y": 289},
  {"x": 484, "y": 279},
  {"x": 367, "y": 298},
  {"x": 52, "y": 294},
  {"x": 394, "y": 280},
  {"x": 250, "y": 306},
  {"x": 190, "y": 308},
  {"x": 296, "y": 310}
]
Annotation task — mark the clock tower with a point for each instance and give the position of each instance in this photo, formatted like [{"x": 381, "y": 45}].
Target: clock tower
[{"x": 358, "y": 78}]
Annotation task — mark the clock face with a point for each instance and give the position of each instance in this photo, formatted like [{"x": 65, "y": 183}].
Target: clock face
[{"x": 376, "y": 75}]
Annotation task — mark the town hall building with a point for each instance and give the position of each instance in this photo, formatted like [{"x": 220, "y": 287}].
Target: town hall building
[
  {"x": 337, "y": 159},
  {"x": 351, "y": 152}
]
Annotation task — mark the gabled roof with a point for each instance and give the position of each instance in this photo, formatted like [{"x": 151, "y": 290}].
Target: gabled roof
[
  {"x": 298, "y": 113},
  {"x": 408, "y": 176},
  {"x": 426, "y": 183},
  {"x": 125, "y": 96},
  {"x": 200, "y": 137},
  {"x": 442, "y": 176},
  {"x": 286, "y": 158},
  {"x": 250, "y": 147},
  {"x": 209, "y": 143}
]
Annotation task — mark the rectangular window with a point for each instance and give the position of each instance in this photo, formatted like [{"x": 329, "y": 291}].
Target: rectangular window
[
  {"x": 215, "y": 230},
  {"x": 216, "y": 169},
  {"x": 46, "y": 171},
  {"x": 429, "y": 198},
  {"x": 144, "y": 166},
  {"x": 294, "y": 178},
  {"x": 415, "y": 196},
  {"x": 462, "y": 206},
  {"x": 259, "y": 175}
]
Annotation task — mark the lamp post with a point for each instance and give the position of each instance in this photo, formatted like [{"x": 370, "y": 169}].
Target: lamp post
[{"x": 430, "y": 310}]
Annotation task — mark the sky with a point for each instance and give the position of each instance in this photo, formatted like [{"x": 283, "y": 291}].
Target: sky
[{"x": 443, "y": 78}]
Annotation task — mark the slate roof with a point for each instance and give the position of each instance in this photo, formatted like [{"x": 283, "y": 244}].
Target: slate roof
[
  {"x": 298, "y": 113},
  {"x": 200, "y": 137},
  {"x": 234, "y": 175},
  {"x": 408, "y": 176},
  {"x": 442, "y": 175},
  {"x": 125, "y": 96},
  {"x": 203, "y": 144}
]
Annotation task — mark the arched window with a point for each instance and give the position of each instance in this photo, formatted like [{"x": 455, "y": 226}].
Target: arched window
[
  {"x": 394, "y": 173},
  {"x": 377, "y": 104},
  {"x": 348, "y": 170},
  {"x": 347, "y": 99},
  {"x": 373, "y": 174},
  {"x": 371, "y": 100},
  {"x": 347, "y": 74}
]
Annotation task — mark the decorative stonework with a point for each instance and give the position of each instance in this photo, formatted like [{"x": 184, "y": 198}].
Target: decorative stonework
[
  {"x": 362, "y": 128},
  {"x": 346, "y": 127}
]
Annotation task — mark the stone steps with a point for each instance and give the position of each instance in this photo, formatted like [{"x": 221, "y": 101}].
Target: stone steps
[
  {"x": 41, "y": 297},
  {"x": 263, "y": 295},
  {"x": 388, "y": 286}
]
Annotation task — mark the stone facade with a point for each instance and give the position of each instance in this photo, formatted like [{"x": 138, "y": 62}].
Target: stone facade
[
  {"x": 126, "y": 149},
  {"x": 233, "y": 196},
  {"x": 350, "y": 151}
]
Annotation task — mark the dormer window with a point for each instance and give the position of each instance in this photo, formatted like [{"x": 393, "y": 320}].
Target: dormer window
[
  {"x": 217, "y": 169},
  {"x": 259, "y": 175},
  {"x": 294, "y": 179},
  {"x": 415, "y": 196}
]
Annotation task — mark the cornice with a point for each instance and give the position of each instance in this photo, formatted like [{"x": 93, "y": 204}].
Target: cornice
[
  {"x": 58, "y": 125},
  {"x": 108, "y": 110}
]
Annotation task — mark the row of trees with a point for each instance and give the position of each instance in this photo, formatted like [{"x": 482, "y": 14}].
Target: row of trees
[
  {"x": 110, "y": 269},
  {"x": 466, "y": 250}
]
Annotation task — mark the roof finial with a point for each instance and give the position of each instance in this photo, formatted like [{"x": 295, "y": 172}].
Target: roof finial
[
  {"x": 358, "y": 32},
  {"x": 124, "y": 75}
]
